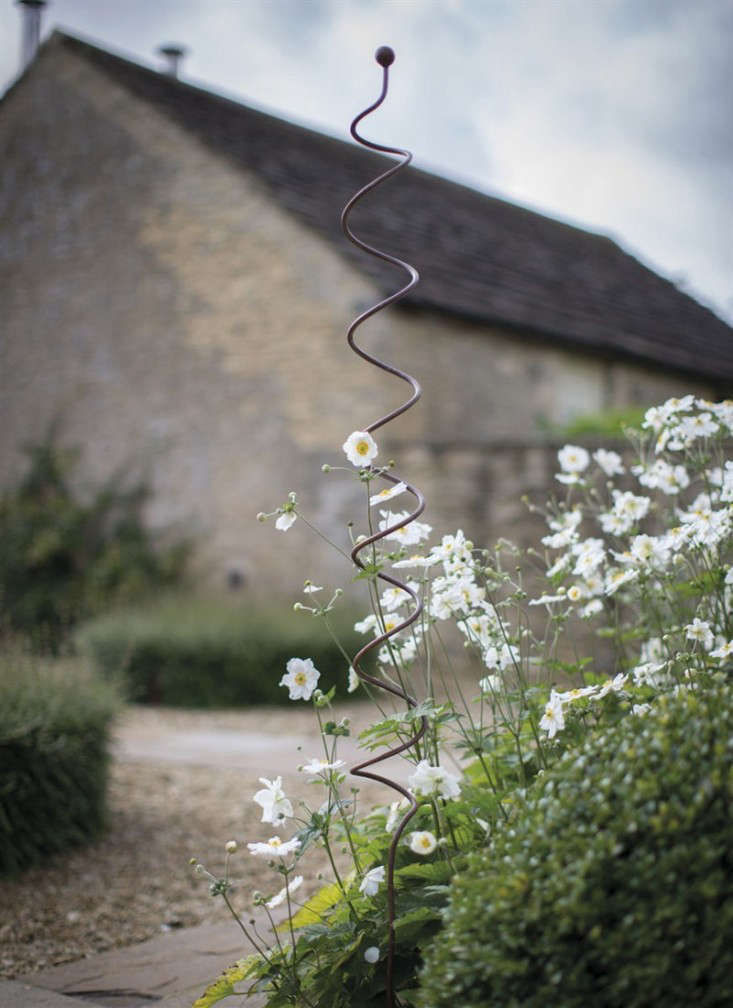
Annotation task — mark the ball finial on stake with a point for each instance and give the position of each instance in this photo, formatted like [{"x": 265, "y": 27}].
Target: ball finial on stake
[{"x": 384, "y": 56}]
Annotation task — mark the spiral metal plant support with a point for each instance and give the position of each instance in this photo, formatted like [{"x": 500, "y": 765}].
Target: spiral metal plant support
[{"x": 385, "y": 57}]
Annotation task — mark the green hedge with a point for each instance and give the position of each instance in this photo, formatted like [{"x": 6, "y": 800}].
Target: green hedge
[
  {"x": 206, "y": 653},
  {"x": 54, "y": 722},
  {"x": 614, "y": 888}
]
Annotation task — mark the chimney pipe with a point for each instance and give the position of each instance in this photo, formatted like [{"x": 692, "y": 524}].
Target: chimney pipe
[
  {"x": 173, "y": 54},
  {"x": 31, "y": 13}
]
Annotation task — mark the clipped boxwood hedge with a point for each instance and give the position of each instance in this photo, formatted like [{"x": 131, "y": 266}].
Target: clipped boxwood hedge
[
  {"x": 192, "y": 652},
  {"x": 54, "y": 723},
  {"x": 614, "y": 889}
]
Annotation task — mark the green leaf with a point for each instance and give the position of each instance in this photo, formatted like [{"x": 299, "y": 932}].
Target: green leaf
[
  {"x": 312, "y": 912},
  {"x": 384, "y": 733},
  {"x": 434, "y": 871},
  {"x": 440, "y": 714},
  {"x": 420, "y": 921},
  {"x": 223, "y": 986},
  {"x": 370, "y": 572}
]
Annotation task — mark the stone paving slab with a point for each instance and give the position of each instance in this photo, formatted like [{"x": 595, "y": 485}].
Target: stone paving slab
[
  {"x": 169, "y": 971},
  {"x": 19, "y": 994}
]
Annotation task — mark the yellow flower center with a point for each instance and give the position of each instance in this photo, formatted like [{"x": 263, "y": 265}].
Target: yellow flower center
[
  {"x": 362, "y": 447},
  {"x": 300, "y": 678}
]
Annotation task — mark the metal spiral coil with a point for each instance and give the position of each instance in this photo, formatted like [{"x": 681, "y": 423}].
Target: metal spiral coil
[{"x": 385, "y": 57}]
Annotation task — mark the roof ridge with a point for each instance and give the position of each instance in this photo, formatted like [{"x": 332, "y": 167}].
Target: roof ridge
[
  {"x": 320, "y": 132},
  {"x": 482, "y": 257}
]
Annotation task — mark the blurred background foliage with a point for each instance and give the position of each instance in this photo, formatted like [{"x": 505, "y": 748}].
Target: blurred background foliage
[
  {"x": 610, "y": 423},
  {"x": 65, "y": 559}
]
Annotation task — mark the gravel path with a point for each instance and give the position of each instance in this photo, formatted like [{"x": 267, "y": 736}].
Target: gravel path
[{"x": 181, "y": 784}]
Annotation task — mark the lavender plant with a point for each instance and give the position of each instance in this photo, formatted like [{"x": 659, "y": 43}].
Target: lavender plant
[{"x": 637, "y": 557}]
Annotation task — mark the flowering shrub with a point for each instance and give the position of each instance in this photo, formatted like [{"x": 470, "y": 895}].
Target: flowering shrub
[{"x": 639, "y": 553}]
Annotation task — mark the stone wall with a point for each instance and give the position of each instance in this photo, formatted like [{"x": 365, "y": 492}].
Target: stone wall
[{"x": 174, "y": 321}]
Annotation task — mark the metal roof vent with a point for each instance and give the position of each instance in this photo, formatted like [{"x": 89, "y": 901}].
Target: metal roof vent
[
  {"x": 173, "y": 54},
  {"x": 30, "y": 11}
]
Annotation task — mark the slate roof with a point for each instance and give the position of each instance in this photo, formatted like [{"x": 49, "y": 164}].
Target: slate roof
[{"x": 479, "y": 257}]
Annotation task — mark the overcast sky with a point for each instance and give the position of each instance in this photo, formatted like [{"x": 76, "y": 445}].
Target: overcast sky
[{"x": 613, "y": 114}]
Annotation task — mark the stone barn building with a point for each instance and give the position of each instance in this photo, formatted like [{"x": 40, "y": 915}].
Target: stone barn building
[{"x": 176, "y": 290}]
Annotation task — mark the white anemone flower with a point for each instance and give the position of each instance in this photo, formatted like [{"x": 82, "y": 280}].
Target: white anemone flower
[
  {"x": 285, "y": 521},
  {"x": 553, "y": 719},
  {"x": 409, "y": 534},
  {"x": 290, "y": 888},
  {"x": 423, "y": 842},
  {"x": 393, "y": 598},
  {"x": 577, "y": 694},
  {"x": 491, "y": 684},
  {"x": 619, "y": 577},
  {"x": 566, "y": 520},
  {"x": 388, "y": 493},
  {"x": 560, "y": 539},
  {"x": 591, "y": 609},
  {"x": 614, "y": 524},
  {"x": 430, "y": 780},
  {"x": 590, "y": 554},
  {"x": 630, "y": 507},
  {"x": 393, "y": 816},
  {"x": 371, "y": 882},
  {"x": 301, "y": 678},
  {"x": 559, "y": 565},
  {"x": 573, "y": 460},
  {"x": 614, "y": 685},
  {"x": 368, "y": 623},
  {"x": 609, "y": 462},
  {"x": 371, "y": 955},
  {"x": 275, "y": 806},
  {"x": 275, "y": 847},
  {"x": 360, "y": 448},
  {"x": 547, "y": 599},
  {"x": 416, "y": 560},
  {"x": 699, "y": 631},
  {"x": 319, "y": 766},
  {"x": 354, "y": 680},
  {"x": 693, "y": 427},
  {"x": 501, "y": 657},
  {"x": 724, "y": 651},
  {"x": 650, "y": 550},
  {"x": 640, "y": 708}
]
